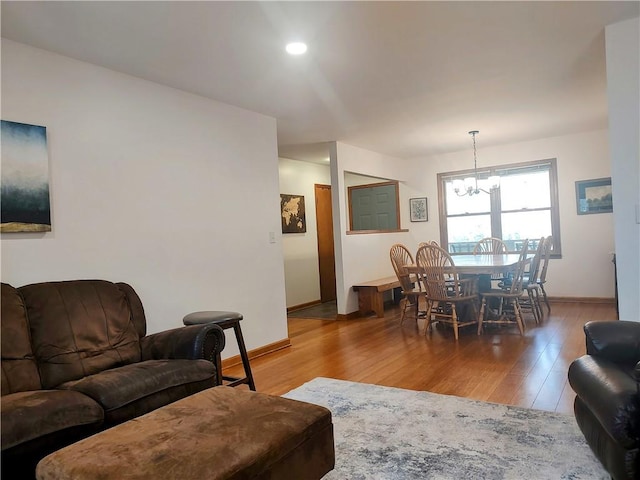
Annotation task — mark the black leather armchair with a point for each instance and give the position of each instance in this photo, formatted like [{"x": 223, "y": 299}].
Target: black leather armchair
[{"x": 607, "y": 404}]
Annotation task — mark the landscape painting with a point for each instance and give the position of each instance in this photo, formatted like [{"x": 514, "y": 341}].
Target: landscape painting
[
  {"x": 594, "y": 196},
  {"x": 293, "y": 214},
  {"x": 24, "y": 195}
]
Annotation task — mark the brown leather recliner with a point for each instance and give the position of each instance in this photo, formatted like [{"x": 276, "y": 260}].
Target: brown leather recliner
[
  {"x": 76, "y": 359},
  {"x": 607, "y": 404}
]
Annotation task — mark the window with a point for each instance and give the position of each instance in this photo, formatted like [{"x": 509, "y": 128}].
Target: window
[{"x": 525, "y": 205}]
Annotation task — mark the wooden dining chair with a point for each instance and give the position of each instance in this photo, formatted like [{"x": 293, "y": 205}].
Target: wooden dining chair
[
  {"x": 532, "y": 301},
  {"x": 486, "y": 246},
  {"x": 431, "y": 242},
  {"x": 490, "y": 245},
  {"x": 544, "y": 266},
  {"x": 531, "y": 285},
  {"x": 412, "y": 291},
  {"x": 452, "y": 300},
  {"x": 506, "y": 301}
]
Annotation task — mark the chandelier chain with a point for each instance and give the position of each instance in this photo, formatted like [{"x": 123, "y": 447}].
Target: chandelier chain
[
  {"x": 475, "y": 159},
  {"x": 463, "y": 188}
]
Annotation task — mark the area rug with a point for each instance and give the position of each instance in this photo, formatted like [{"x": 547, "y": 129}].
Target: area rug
[{"x": 389, "y": 433}]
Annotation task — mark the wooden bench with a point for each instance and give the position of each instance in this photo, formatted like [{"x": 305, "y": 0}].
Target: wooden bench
[{"x": 371, "y": 294}]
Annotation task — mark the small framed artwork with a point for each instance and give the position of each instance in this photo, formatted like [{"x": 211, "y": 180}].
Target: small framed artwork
[
  {"x": 594, "y": 196},
  {"x": 418, "y": 209},
  {"x": 293, "y": 214}
]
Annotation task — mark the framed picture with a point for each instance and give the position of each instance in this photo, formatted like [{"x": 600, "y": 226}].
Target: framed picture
[
  {"x": 418, "y": 209},
  {"x": 292, "y": 213},
  {"x": 25, "y": 178},
  {"x": 594, "y": 196}
]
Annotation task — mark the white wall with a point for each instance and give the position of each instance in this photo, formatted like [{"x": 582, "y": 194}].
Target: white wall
[
  {"x": 623, "y": 91},
  {"x": 356, "y": 179},
  {"x": 300, "y": 250},
  {"x": 170, "y": 192},
  {"x": 362, "y": 257},
  {"x": 585, "y": 269}
]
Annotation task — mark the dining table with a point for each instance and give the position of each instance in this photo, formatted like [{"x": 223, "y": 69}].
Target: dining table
[
  {"x": 483, "y": 266},
  {"x": 487, "y": 264}
]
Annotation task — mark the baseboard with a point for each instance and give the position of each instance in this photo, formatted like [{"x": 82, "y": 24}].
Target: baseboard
[
  {"x": 599, "y": 300},
  {"x": 303, "y": 305},
  {"x": 258, "y": 352}
]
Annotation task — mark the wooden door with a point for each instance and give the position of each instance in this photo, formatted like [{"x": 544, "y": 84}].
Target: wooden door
[{"x": 326, "y": 255}]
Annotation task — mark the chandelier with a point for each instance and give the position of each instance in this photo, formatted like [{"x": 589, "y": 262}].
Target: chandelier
[{"x": 471, "y": 185}]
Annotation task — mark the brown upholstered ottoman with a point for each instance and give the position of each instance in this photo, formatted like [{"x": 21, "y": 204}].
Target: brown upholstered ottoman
[{"x": 219, "y": 433}]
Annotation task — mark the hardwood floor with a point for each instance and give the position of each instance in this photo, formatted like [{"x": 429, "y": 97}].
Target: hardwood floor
[{"x": 499, "y": 366}]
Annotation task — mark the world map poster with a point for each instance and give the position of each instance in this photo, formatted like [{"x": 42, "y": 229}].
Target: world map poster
[{"x": 292, "y": 212}]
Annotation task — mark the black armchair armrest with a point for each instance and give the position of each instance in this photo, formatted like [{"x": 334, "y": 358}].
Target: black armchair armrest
[
  {"x": 610, "y": 391},
  {"x": 617, "y": 341},
  {"x": 190, "y": 343}
]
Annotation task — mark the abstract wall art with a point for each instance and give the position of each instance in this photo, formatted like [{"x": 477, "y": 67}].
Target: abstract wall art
[{"x": 24, "y": 190}]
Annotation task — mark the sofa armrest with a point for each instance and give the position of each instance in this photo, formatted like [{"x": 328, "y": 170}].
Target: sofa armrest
[
  {"x": 611, "y": 394},
  {"x": 191, "y": 343},
  {"x": 617, "y": 341}
]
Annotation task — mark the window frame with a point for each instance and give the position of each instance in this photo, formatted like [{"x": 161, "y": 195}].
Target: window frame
[
  {"x": 495, "y": 202},
  {"x": 398, "y": 228}
]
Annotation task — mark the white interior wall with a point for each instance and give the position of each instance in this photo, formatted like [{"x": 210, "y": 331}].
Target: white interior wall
[
  {"x": 355, "y": 179},
  {"x": 362, "y": 257},
  {"x": 300, "y": 250},
  {"x": 585, "y": 269},
  {"x": 623, "y": 91},
  {"x": 170, "y": 192}
]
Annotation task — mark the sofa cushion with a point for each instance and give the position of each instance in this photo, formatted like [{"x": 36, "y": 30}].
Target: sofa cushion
[
  {"x": 79, "y": 328},
  {"x": 120, "y": 386},
  {"x": 19, "y": 368},
  {"x": 29, "y": 415}
]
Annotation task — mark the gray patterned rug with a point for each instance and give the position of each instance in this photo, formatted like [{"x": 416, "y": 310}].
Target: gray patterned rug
[{"x": 389, "y": 433}]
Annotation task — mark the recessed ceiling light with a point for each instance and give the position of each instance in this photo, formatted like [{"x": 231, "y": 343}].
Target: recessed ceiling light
[{"x": 296, "y": 48}]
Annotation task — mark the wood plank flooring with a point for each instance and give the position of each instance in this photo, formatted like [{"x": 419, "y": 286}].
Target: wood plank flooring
[{"x": 499, "y": 366}]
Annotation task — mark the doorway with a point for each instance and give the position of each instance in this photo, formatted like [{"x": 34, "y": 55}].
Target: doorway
[{"x": 326, "y": 252}]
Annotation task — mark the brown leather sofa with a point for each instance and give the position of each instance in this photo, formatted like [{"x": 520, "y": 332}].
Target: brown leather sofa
[
  {"x": 76, "y": 359},
  {"x": 607, "y": 404}
]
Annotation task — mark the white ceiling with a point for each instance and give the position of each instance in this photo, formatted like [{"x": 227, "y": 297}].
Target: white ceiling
[{"x": 402, "y": 78}]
